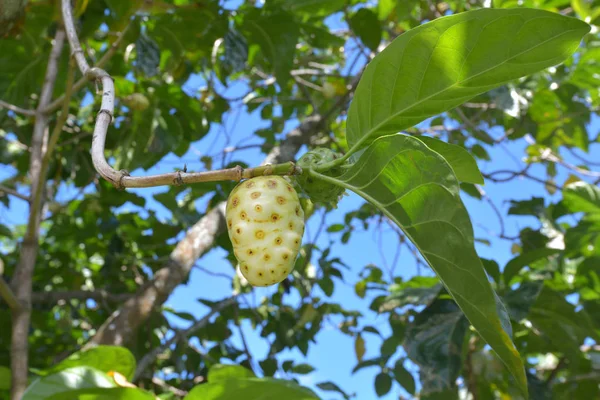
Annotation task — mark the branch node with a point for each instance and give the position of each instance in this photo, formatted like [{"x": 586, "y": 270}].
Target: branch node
[
  {"x": 103, "y": 110},
  {"x": 240, "y": 173},
  {"x": 119, "y": 184},
  {"x": 178, "y": 181}
]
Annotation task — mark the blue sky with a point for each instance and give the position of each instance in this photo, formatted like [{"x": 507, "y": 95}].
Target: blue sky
[{"x": 333, "y": 354}]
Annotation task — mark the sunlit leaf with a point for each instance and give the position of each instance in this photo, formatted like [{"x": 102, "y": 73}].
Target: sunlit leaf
[
  {"x": 443, "y": 63},
  {"x": 67, "y": 380}
]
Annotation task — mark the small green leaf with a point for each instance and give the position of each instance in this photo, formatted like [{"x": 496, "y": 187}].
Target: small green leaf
[
  {"x": 365, "y": 24},
  {"x": 443, "y": 63},
  {"x": 359, "y": 348},
  {"x": 102, "y": 358},
  {"x": 513, "y": 267},
  {"x": 314, "y": 8},
  {"x": 332, "y": 387},
  {"x": 5, "y": 231},
  {"x": 464, "y": 165},
  {"x": 302, "y": 369},
  {"x": 417, "y": 189},
  {"x": 370, "y": 363},
  {"x": 383, "y": 384},
  {"x": 67, "y": 380},
  {"x": 403, "y": 377},
  {"x": 251, "y": 388}
]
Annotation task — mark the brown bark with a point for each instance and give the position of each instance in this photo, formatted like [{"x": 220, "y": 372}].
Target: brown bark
[{"x": 21, "y": 281}]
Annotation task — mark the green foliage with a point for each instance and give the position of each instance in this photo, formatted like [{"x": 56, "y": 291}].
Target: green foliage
[
  {"x": 465, "y": 84},
  {"x": 417, "y": 189}
]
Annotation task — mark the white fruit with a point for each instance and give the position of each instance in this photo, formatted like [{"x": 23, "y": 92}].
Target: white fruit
[{"x": 265, "y": 223}]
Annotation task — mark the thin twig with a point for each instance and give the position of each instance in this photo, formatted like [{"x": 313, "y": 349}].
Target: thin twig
[
  {"x": 12, "y": 192},
  {"x": 18, "y": 110},
  {"x": 177, "y": 392},
  {"x": 97, "y": 295}
]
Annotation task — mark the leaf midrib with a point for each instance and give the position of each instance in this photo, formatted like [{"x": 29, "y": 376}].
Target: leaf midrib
[{"x": 413, "y": 105}]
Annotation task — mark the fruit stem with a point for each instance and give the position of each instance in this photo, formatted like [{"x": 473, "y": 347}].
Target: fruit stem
[{"x": 288, "y": 168}]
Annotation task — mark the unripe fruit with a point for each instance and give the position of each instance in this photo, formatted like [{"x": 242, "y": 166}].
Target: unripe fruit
[
  {"x": 265, "y": 223},
  {"x": 318, "y": 190}
]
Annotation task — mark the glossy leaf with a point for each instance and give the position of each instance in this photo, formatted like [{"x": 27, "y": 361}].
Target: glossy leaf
[
  {"x": 251, "y": 388},
  {"x": 220, "y": 372},
  {"x": 441, "y": 64},
  {"x": 462, "y": 162},
  {"x": 417, "y": 189},
  {"x": 67, "y": 380},
  {"x": 102, "y": 358}
]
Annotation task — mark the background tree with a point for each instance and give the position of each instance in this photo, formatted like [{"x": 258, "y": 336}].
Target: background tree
[{"x": 203, "y": 85}]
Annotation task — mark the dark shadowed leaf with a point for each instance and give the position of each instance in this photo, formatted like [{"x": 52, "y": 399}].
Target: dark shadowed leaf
[
  {"x": 403, "y": 377},
  {"x": 366, "y": 26},
  {"x": 434, "y": 341},
  {"x": 383, "y": 383}
]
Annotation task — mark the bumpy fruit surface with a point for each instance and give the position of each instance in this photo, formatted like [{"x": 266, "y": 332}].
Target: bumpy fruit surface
[
  {"x": 265, "y": 223},
  {"x": 319, "y": 190}
]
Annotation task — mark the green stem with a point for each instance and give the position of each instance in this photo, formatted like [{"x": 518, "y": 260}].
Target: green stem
[{"x": 332, "y": 164}]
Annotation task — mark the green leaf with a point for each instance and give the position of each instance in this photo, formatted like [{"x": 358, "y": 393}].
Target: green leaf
[
  {"x": 417, "y": 189},
  {"x": 5, "y": 377},
  {"x": 276, "y": 35},
  {"x": 359, "y": 348},
  {"x": 441, "y": 64},
  {"x": 434, "y": 341},
  {"x": 383, "y": 384},
  {"x": 384, "y": 8},
  {"x": 314, "y": 8},
  {"x": 582, "y": 197},
  {"x": 464, "y": 165},
  {"x": 67, "y": 380},
  {"x": 221, "y": 372},
  {"x": 370, "y": 363},
  {"x": 332, "y": 387},
  {"x": 303, "y": 369},
  {"x": 403, "y": 377},
  {"x": 365, "y": 24},
  {"x": 519, "y": 301},
  {"x": 5, "y": 231},
  {"x": 513, "y": 267},
  {"x": 251, "y": 388},
  {"x": 102, "y": 358},
  {"x": 408, "y": 294},
  {"x": 119, "y": 393}
]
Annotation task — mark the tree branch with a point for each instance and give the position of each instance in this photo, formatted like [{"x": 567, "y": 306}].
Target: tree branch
[
  {"x": 182, "y": 334},
  {"x": 22, "y": 279},
  {"x": 12, "y": 192},
  {"x": 18, "y": 110},
  {"x": 7, "y": 294}
]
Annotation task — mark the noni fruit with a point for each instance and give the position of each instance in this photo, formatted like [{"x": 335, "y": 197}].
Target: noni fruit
[
  {"x": 318, "y": 190},
  {"x": 265, "y": 223}
]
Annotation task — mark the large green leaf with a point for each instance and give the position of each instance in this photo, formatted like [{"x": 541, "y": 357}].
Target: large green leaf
[
  {"x": 462, "y": 162},
  {"x": 434, "y": 341},
  {"x": 220, "y": 372},
  {"x": 443, "y": 63},
  {"x": 418, "y": 190},
  {"x": 67, "y": 380},
  {"x": 102, "y": 358},
  {"x": 251, "y": 388}
]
